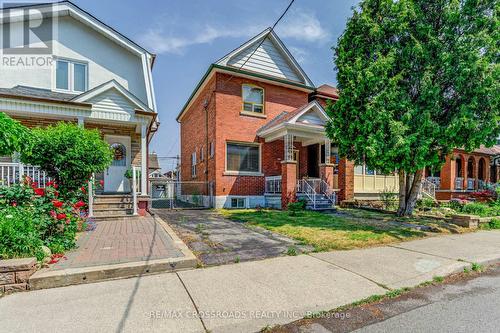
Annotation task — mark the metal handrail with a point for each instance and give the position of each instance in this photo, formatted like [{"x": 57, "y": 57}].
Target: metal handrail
[
  {"x": 330, "y": 194},
  {"x": 428, "y": 188},
  {"x": 309, "y": 191}
]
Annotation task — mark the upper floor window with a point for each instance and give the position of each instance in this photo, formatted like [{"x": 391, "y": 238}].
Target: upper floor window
[
  {"x": 193, "y": 164},
  {"x": 71, "y": 75},
  {"x": 253, "y": 98}
]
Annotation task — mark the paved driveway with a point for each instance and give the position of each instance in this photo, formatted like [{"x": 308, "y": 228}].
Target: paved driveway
[{"x": 216, "y": 240}]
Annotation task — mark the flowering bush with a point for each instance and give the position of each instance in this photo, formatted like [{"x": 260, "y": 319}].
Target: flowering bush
[
  {"x": 55, "y": 218},
  {"x": 483, "y": 196}
]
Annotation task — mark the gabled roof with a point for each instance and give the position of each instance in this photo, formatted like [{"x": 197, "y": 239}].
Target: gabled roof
[
  {"x": 68, "y": 8},
  {"x": 266, "y": 54},
  {"x": 153, "y": 162},
  {"x": 327, "y": 90},
  {"x": 112, "y": 84},
  {"x": 293, "y": 117}
]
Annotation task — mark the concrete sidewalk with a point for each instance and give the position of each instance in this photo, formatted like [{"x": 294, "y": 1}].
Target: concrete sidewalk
[{"x": 244, "y": 297}]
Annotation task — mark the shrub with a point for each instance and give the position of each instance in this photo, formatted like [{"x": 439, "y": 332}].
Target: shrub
[
  {"x": 296, "y": 206},
  {"x": 425, "y": 203},
  {"x": 481, "y": 209},
  {"x": 388, "y": 198},
  {"x": 19, "y": 236},
  {"x": 13, "y": 136},
  {"x": 69, "y": 154}
]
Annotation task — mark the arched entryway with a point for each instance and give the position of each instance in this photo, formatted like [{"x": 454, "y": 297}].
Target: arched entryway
[
  {"x": 470, "y": 173},
  {"x": 481, "y": 169}
]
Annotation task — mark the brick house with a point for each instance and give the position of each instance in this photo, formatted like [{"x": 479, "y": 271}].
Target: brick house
[
  {"x": 253, "y": 131},
  {"x": 94, "y": 77}
]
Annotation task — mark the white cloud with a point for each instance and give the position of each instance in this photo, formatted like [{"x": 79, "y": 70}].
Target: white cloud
[
  {"x": 302, "y": 25},
  {"x": 159, "y": 41},
  {"x": 300, "y": 54}
]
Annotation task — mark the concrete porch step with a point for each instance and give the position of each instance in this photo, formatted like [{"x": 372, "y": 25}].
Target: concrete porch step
[
  {"x": 114, "y": 217},
  {"x": 113, "y": 199},
  {"x": 112, "y": 211},
  {"x": 113, "y": 205}
]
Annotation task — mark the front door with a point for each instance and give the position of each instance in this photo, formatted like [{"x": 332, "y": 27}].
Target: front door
[
  {"x": 114, "y": 176},
  {"x": 313, "y": 161}
]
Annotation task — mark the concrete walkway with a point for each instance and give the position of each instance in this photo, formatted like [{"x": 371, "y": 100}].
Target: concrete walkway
[{"x": 244, "y": 297}]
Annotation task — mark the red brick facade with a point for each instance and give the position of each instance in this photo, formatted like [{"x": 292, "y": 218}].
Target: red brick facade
[{"x": 220, "y": 101}]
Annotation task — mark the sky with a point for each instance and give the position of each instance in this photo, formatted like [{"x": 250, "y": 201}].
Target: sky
[{"x": 188, "y": 35}]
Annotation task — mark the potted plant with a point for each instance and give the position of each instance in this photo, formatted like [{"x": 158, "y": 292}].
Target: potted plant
[{"x": 128, "y": 174}]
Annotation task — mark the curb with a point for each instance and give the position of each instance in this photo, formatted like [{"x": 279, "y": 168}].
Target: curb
[{"x": 46, "y": 278}]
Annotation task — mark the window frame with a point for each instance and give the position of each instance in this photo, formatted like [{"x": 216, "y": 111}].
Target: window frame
[
  {"x": 253, "y": 103},
  {"x": 193, "y": 164},
  {"x": 244, "y": 173},
  {"x": 71, "y": 75},
  {"x": 212, "y": 149},
  {"x": 238, "y": 199}
]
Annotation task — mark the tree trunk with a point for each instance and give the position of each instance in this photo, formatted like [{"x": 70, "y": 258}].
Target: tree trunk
[
  {"x": 409, "y": 187},
  {"x": 402, "y": 192}
]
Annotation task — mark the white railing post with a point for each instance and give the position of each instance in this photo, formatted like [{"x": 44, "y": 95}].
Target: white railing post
[
  {"x": 91, "y": 197},
  {"x": 134, "y": 189},
  {"x": 21, "y": 172}
]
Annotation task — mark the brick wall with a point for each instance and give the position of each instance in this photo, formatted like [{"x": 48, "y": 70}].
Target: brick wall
[
  {"x": 194, "y": 135},
  {"x": 231, "y": 126}
]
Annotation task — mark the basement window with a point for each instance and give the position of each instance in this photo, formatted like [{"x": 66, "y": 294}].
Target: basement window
[{"x": 238, "y": 202}]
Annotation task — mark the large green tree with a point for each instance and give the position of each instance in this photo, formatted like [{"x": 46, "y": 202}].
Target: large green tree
[
  {"x": 14, "y": 137},
  {"x": 69, "y": 154},
  {"x": 417, "y": 78}
]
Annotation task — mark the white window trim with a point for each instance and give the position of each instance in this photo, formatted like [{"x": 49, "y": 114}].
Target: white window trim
[
  {"x": 245, "y": 202},
  {"x": 243, "y": 173},
  {"x": 193, "y": 164},
  {"x": 71, "y": 63}
]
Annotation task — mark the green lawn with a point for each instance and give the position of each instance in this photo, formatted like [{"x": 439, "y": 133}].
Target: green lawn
[{"x": 325, "y": 232}]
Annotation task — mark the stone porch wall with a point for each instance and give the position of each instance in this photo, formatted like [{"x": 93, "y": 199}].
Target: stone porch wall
[{"x": 15, "y": 273}]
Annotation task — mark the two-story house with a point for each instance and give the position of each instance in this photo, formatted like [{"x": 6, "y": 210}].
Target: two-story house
[
  {"x": 253, "y": 130},
  {"x": 86, "y": 73}
]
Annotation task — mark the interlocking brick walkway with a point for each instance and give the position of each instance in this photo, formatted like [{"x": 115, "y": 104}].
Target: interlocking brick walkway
[{"x": 119, "y": 241}]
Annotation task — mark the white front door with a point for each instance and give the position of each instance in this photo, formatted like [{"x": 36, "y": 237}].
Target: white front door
[{"x": 114, "y": 176}]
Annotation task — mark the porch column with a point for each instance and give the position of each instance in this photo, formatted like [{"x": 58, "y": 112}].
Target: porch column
[
  {"x": 288, "y": 173},
  {"x": 346, "y": 179},
  {"x": 448, "y": 174},
  {"x": 81, "y": 122},
  {"x": 144, "y": 160},
  {"x": 326, "y": 169}
]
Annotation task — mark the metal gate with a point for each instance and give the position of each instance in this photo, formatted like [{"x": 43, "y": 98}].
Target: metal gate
[{"x": 173, "y": 194}]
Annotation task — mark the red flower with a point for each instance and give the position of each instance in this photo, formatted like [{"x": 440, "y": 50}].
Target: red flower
[
  {"x": 83, "y": 189},
  {"x": 57, "y": 203},
  {"x": 56, "y": 194},
  {"x": 34, "y": 184},
  {"x": 53, "y": 214},
  {"x": 79, "y": 204},
  {"x": 101, "y": 182},
  {"x": 14, "y": 204},
  {"x": 61, "y": 216},
  {"x": 39, "y": 191}
]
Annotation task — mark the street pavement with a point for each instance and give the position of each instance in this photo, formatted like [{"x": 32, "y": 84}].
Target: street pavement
[{"x": 248, "y": 296}]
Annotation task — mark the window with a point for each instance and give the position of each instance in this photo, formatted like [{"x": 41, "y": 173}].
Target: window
[
  {"x": 119, "y": 154},
  {"x": 71, "y": 76},
  {"x": 243, "y": 157},
  {"x": 253, "y": 98},
  {"x": 193, "y": 164},
  {"x": 212, "y": 149},
  {"x": 202, "y": 155},
  {"x": 238, "y": 202}
]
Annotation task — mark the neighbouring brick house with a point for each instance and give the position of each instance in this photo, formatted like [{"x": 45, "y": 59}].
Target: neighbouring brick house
[
  {"x": 254, "y": 131},
  {"x": 96, "y": 78}
]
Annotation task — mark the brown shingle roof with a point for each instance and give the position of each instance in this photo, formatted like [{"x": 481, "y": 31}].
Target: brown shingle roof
[
  {"x": 153, "y": 163},
  {"x": 327, "y": 90}
]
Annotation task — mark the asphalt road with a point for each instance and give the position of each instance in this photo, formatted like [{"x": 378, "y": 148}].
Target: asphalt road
[
  {"x": 464, "y": 303},
  {"x": 469, "y": 307}
]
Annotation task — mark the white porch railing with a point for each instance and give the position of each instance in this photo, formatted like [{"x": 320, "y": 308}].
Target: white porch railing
[
  {"x": 316, "y": 189},
  {"x": 428, "y": 189},
  {"x": 13, "y": 173},
  {"x": 135, "y": 185},
  {"x": 273, "y": 185},
  {"x": 303, "y": 186},
  {"x": 459, "y": 183},
  {"x": 435, "y": 180},
  {"x": 91, "y": 196}
]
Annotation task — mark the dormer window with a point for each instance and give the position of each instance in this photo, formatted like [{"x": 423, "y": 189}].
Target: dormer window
[
  {"x": 253, "y": 98},
  {"x": 71, "y": 76}
]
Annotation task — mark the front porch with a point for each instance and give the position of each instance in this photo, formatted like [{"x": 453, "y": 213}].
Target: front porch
[
  {"x": 303, "y": 170},
  {"x": 462, "y": 174}
]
